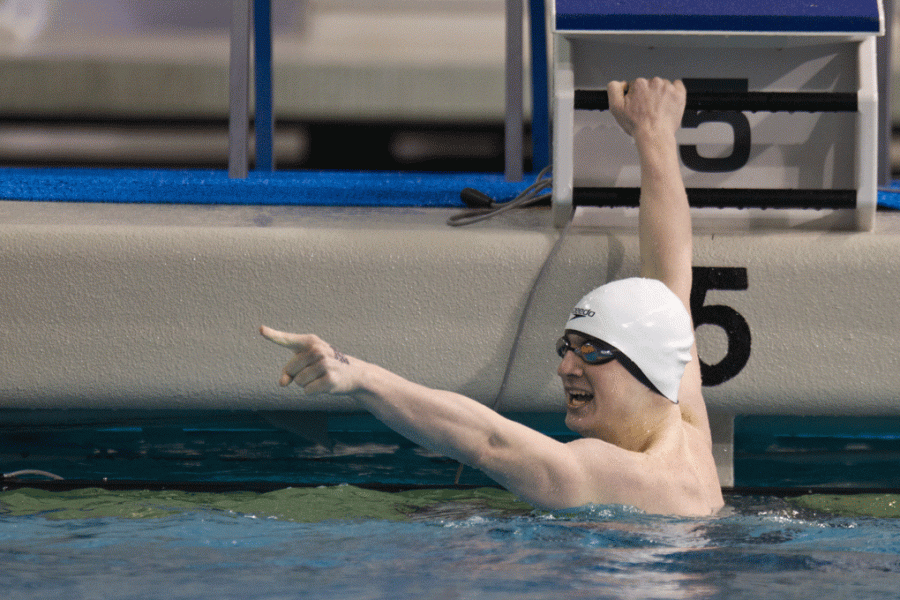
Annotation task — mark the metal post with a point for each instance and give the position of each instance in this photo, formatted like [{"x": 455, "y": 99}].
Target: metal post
[
  {"x": 264, "y": 121},
  {"x": 540, "y": 109},
  {"x": 239, "y": 89},
  {"x": 513, "y": 146},
  {"x": 884, "y": 48}
]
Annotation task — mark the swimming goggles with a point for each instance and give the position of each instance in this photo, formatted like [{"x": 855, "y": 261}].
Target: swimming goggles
[{"x": 593, "y": 352}]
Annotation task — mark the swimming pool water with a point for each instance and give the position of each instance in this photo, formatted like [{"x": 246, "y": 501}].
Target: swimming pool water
[{"x": 344, "y": 542}]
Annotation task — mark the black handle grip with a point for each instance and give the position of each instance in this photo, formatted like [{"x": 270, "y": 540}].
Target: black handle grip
[
  {"x": 724, "y": 198},
  {"x": 743, "y": 101}
]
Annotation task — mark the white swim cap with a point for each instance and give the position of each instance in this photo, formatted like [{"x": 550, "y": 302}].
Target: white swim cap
[{"x": 646, "y": 321}]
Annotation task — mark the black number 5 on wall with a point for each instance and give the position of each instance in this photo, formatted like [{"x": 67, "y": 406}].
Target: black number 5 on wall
[
  {"x": 738, "y": 121},
  {"x": 734, "y": 325}
]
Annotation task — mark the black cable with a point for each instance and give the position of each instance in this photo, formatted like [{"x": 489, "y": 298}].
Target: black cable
[
  {"x": 481, "y": 206},
  {"x": 514, "y": 350},
  {"x": 535, "y": 188}
]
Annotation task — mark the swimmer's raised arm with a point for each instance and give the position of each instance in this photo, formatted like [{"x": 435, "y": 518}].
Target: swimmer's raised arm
[{"x": 650, "y": 111}]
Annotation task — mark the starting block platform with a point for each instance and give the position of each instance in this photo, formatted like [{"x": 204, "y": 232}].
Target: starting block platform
[{"x": 781, "y": 110}]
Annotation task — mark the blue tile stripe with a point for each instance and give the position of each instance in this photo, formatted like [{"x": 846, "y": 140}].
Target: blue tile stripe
[
  {"x": 300, "y": 188},
  {"x": 890, "y": 197},
  {"x": 280, "y": 188}
]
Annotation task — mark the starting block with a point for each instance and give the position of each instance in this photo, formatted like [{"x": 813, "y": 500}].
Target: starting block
[{"x": 782, "y": 108}]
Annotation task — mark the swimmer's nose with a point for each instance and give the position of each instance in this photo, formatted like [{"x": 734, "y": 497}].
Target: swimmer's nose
[{"x": 569, "y": 366}]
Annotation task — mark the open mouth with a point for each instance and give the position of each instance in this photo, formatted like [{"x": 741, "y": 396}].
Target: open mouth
[{"x": 577, "y": 399}]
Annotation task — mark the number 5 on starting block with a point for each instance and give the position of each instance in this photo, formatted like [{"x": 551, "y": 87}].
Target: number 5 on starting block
[{"x": 781, "y": 110}]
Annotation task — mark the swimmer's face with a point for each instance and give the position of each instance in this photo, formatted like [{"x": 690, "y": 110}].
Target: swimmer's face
[{"x": 597, "y": 395}]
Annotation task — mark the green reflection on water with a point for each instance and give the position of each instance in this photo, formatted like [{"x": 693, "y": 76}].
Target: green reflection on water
[
  {"x": 883, "y": 506},
  {"x": 343, "y": 502},
  {"x": 305, "y": 505}
]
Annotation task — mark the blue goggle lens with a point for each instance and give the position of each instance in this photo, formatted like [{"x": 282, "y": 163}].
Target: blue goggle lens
[{"x": 593, "y": 353}]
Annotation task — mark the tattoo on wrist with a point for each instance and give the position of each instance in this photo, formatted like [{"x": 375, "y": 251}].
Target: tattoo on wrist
[{"x": 339, "y": 356}]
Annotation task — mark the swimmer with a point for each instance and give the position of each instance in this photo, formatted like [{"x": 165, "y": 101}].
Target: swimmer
[{"x": 628, "y": 365}]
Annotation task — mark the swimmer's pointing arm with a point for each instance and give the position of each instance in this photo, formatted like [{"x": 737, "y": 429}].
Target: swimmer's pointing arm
[{"x": 534, "y": 466}]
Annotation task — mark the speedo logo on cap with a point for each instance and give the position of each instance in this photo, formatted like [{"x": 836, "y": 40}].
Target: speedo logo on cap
[{"x": 581, "y": 312}]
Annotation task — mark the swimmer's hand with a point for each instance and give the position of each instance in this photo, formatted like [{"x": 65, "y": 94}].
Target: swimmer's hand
[
  {"x": 317, "y": 367},
  {"x": 646, "y": 106}
]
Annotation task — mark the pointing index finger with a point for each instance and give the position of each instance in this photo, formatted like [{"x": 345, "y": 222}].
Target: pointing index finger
[{"x": 291, "y": 341}]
